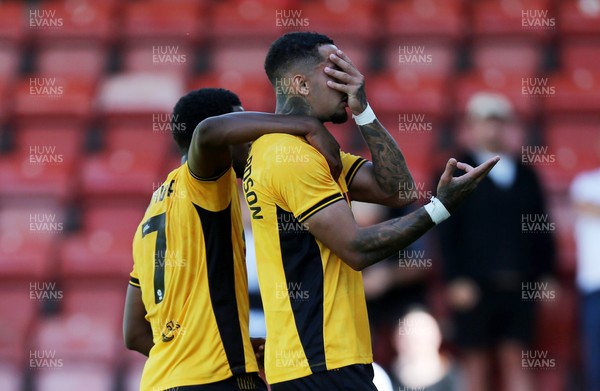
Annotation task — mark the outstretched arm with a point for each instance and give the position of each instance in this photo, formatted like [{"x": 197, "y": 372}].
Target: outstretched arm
[
  {"x": 362, "y": 247},
  {"x": 380, "y": 181},
  {"x": 209, "y": 153}
]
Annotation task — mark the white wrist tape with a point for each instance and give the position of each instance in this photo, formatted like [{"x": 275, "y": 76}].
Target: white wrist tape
[
  {"x": 366, "y": 117},
  {"x": 437, "y": 210}
]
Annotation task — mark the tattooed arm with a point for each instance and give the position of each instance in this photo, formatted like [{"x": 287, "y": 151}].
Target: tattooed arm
[
  {"x": 362, "y": 247},
  {"x": 381, "y": 181}
]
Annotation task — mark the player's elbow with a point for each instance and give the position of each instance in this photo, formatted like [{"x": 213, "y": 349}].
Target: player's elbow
[
  {"x": 355, "y": 260},
  {"x": 131, "y": 340},
  {"x": 206, "y": 131},
  {"x": 137, "y": 342}
]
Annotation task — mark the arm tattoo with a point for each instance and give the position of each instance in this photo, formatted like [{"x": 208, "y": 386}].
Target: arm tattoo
[
  {"x": 382, "y": 240},
  {"x": 388, "y": 162}
]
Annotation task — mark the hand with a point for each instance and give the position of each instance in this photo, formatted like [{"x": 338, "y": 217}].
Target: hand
[
  {"x": 463, "y": 294},
  {"x": 451, "y": 191},
  {"x": 327, "y": 145},
  {"x": 352, "y": 82},
  {"x": 258, "y": 344}
]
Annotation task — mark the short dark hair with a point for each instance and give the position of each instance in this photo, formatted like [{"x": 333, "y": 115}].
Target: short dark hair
[
  {"x": 196, "y": 106},
  {"x": 292, "y": 48}
]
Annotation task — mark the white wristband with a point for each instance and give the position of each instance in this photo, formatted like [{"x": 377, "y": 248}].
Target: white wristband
[
  {"x": 437, "y": 211},
  {"x": 366, "y": 117}
]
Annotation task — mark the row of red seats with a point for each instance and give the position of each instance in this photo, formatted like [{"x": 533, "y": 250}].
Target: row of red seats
[
  {"x": 423, "y": 57},
  {"x": 40, "y": 99},
  {"x": 367, "y": 21},
  {"x": 47, "y": 162}
]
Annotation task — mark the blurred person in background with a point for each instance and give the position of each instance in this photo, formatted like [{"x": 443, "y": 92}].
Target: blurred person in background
[
  {"x": 585, "y": 194},
  {"x": 187, "y": 305},
  {"x": 487, "y": 256},
  {"x": 419, "y": 365}
]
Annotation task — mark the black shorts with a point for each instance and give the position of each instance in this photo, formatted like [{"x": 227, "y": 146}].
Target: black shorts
[
  {"x": 499, "y": 316},
  {"x": 248, "y": 381},
  {"x": 357, "y": 377}
]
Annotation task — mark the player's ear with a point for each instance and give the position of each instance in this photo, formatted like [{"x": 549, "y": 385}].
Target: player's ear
[{"x": 300, "y": 84}]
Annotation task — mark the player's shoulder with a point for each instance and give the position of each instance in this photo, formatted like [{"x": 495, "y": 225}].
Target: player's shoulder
[
  {"x": 284, "y": 150},
  {"x": 276, "y": 141}
]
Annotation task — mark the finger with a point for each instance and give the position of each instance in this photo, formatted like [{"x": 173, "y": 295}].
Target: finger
[
  {"x": 483, "y": 169},
  {"x": 450, "y": 167},
  {"x": 345, "y": 88},
  {"x": 344, "y": 57},
  {"x": 464, "y": 166},
  {"x": 339, "y": 75},
  {"x": 343, "y": 64}
]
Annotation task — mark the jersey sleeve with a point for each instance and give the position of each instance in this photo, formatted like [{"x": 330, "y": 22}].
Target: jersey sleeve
[
  {"x": 351, "y": 164},
  {"x": 134, "y": 278},
  {"x": 303, "y": 181}
]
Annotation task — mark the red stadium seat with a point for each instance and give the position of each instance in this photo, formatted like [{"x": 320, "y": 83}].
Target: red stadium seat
[
  {"x": 511, "y": 86},
  {"x": 130, "y": 163},
  {"x": 18, "y": 315},
  {"x": 154, "y": 21},
  {"x": 163, "y": 58},
  {"x": 532, "y": 19},
  {"x": 35, "y": 175},
  {"x": 520, "y": 57},
  {"x": 77, "y": 21},
  {"x": 424, "y": 57},
  {"x": 28, "y": 239},
  {"x": 406, "y": 92},
  {"x": 577, "y": 91},
  {"x": 245, "y": 60},
  {"x": 341, "y": 19},
  {"x": 433, "y": 20},
  {"x": 43, "y": 163},
  {"x": 578, "y": 20},
  {"x": 13, "y": 28},
  {"x": 575, "y": 55},
  {"x": 79, "y": 61},
  {"x": 574, "y": 144},
  {"x": 256, "y": 93},
  {"x": 59, "y": 100},
  {"x": 251, "y": 21},
  {"x": 138, "y": 96},
  {"x": 105, "y": 299},
  {"x": 102, "y": 250}
]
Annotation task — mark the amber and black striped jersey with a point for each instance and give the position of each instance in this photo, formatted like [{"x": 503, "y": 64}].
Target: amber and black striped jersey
[
  {"x": 314, "y": 303},
  {"x": 188, "y": 254}
]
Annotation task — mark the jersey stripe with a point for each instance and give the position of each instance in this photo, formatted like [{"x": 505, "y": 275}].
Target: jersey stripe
[
  {"x": 216, "y": 227},
  {"x": 319, "y": 205},
  {"x": 303, "y": 270},
  {"x": 353, "y": 170}
]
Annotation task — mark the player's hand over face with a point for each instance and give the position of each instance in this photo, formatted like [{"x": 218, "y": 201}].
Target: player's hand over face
[
  {"x": 327, "y": 145},
  {"x": 451, "y": 191},
  {"x": 349, "y": 81}
]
